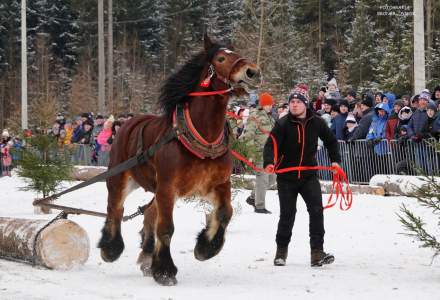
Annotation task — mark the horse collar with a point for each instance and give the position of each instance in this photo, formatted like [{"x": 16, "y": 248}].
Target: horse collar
[{"x": 191, "y": 139}]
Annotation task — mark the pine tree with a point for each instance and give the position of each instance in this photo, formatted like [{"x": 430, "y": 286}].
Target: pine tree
[
  {"x": 362, "y": 56},
  {"x": 42, "y": 166},
  {"x": 428, "y": 196}
]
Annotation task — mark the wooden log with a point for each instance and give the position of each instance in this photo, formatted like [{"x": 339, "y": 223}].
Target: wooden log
[
  {"x": 61, "y": 245},
  {"x": 83, "y": 173},
  {"x": 400, "y": 184},
  {"x": 248, "y": 182}
]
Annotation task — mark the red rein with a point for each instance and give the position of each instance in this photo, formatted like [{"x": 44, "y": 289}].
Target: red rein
[{"x": 339, "y": 176}]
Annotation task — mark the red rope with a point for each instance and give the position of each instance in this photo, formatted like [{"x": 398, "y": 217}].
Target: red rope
[
  {"x": 339, "y": 176},
  {"x": 210, "y": 93}
]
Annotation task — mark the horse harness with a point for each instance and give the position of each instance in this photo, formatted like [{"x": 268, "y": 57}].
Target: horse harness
[{"x": 182, "y": 129}]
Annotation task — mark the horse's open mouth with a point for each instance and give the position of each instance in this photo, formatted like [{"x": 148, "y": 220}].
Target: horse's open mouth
[{"x": 248, "y": 86}]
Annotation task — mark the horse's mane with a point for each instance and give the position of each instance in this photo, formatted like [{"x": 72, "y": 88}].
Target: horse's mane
[{"x": 176, "y": 88}]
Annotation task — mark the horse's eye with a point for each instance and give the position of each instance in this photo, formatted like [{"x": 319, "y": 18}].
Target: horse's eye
[{"x": 221, "y": 59}]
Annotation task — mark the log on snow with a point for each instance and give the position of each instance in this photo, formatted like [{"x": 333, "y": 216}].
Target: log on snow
[
  {"x": 61, "y": 245},
  {"x": 400, "y": 184}
]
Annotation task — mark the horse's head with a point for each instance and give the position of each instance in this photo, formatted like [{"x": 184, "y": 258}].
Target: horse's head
[{"x": 231, "y": 68}]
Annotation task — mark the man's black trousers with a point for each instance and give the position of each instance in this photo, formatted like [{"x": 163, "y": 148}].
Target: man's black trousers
[{"x": 310, "y": 190}]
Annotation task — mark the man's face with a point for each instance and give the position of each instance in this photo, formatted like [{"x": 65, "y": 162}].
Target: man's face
[
  {"x": 350, "y": 98},
  {"x": 430, "y": 113},
  {"x": 423, "y": 103},
  {"x": 296, "y": 107},
  {"x": 343, "y": 109},
  {"x": 377, "y": 99},
  {"x": 364, "y": 107},
  {"x": 397, "y": 108},
  {"x": 267, "y": 108},
  {"x": 327, "y": 107},
  {"x": 437, "y": 95},
  {"x": 415, "y": 104}
]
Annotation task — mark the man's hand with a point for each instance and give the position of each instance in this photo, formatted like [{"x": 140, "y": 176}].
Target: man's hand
[
  {"x": 270, "y": 168},
  {"x": 336, "y": 165}
]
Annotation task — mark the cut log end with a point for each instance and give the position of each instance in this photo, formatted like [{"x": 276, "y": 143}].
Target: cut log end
[{"x": 63, "y": 245}]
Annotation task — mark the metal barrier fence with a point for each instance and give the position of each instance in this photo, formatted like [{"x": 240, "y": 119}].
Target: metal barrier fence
[{"x": 361, "y": 160}]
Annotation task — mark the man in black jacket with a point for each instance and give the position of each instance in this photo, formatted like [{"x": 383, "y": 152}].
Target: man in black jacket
[{"x": 297, "y": 137}]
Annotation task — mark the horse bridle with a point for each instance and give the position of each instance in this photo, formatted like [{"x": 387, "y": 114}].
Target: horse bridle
[{"x": 212, "y": 72}]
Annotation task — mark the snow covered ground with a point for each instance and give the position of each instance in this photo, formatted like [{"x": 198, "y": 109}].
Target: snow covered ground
[{"x": 373, "y": 261}]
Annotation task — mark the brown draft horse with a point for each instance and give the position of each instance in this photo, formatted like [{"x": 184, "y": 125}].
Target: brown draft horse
[{"x": 173, "y": 171}]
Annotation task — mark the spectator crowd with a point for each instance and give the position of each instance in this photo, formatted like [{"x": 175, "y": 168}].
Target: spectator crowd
[{"x": 376, "y": 117}]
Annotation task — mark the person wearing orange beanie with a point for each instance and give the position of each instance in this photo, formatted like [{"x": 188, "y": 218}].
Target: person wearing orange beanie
[{"x": 259, "y": 119}]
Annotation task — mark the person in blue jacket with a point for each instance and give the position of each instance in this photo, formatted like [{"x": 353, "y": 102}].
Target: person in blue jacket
[{"x": 376, "y": 132}]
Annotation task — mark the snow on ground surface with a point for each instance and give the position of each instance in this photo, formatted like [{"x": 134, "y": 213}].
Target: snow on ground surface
[{"x": 373, "y": 261}]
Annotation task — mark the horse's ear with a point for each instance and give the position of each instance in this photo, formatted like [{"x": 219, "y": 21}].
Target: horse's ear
[{"x": 207, "y": 42}]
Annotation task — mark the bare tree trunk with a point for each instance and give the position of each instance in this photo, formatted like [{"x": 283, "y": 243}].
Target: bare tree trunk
[
  {"x": 319, "y": 35},
  {"x": 61, "y": 245},
  {"x": 261, "y": 35},
  {"x": 110, "y": 55},
  {"x": 101, "y": 59},
  {"x": 429, "y": 39}
]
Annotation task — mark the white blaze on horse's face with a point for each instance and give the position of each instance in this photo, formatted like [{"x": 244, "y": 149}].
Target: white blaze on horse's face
[{"x": 236, "y": 69}]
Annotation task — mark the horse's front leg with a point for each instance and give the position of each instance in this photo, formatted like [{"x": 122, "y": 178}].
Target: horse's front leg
[
  {"x": 163, "y": 269},
  {"x": 111, "y": 242},
  {"x": 211, "y": 239}
]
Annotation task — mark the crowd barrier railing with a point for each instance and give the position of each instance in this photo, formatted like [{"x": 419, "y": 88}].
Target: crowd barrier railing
[{"x": 361, "y": 159}]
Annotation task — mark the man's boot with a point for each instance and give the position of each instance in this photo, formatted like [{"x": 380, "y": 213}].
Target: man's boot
[
  {"x": 319, "y": 258},
  {"x": 251, "y": 201},
  {"x": 280, "y": 256}
]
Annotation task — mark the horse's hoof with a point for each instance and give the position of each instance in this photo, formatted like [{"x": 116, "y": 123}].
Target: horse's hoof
[
  {"x": 205, "y": 249},
  {"x": 165, "y": 280},
  {"x": 111, "y": 249}
]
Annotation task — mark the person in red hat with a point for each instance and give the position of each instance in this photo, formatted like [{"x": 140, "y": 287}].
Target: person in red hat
[{"x": 260, "y": 121}]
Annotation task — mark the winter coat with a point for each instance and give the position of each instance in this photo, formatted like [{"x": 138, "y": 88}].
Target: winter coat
[
  {"x": 428, "y": 130},
  {"x": 364, "y": 125},
  {"x": 297, "y": 142},
  {"x": 338, "y": 125},
  {"x": 391, "y": 99},
  {"x": 390, "y": 131},
  {"x": 417, "y": 122},
  {"x": 253, "y": 135},
  {"x": 103, "y": 138},
  {"x": 376, "y": 132}
]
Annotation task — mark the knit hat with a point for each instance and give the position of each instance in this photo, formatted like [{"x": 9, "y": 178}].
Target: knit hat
[
  {"x": 333, "y": 82},
  {"x": 265, "y": 99},
  {"x": 431, "y": 105},
  {"x": 302, "y": 89},
  {"x": 5, "y": 133},
  {"x": 368, "y": 101},
  {"x": 407, "y": 110},
  {"x": 299, "y": 97},
  {"x": 425, "y": 94},
  {"x": 343, "y": 103},
  {"x": 330, "y": 101},
  {"x": 351, "y": 93},
  {"x": 350, "y": 119},
  {"x": 399, "y": 103}
]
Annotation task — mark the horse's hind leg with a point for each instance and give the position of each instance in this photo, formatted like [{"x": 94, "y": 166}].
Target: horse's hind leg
[
  {"x": 211, "y": 239},
  {"x": 148, "y": 240},
  {"x": 111, "y": 242},
  {"x": 163, "y": 269}
]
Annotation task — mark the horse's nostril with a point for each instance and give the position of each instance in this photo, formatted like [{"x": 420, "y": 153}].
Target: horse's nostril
[{"x": 251, "y": 73}]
